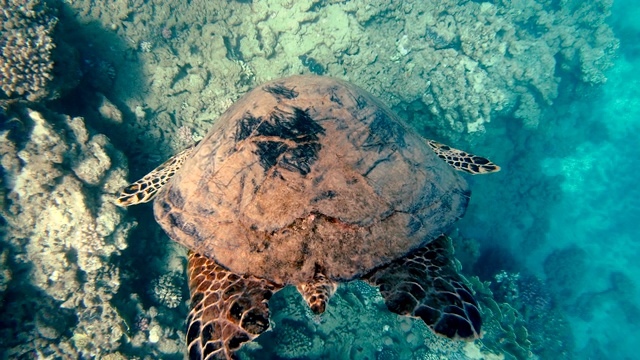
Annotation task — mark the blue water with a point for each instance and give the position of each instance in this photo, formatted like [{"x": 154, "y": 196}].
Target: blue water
[
  {"x": 599, "y": 213},
  {"x": 566, "y": 204}
]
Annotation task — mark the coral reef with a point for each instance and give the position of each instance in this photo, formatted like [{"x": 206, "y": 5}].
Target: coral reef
[
  {"x": 488, "y": 59},
  {"x": 357, "y": 325},
  {"x": 565, "y": 270},
  {"x": 5, "y": 272},
  {"x": 150, "y": 337},
  {"x": 520, "y": 318},
  {"x": 26, "y": 64},
  {"x": 109, "y": 111},
  {"x": 507, "y": 286},
  {"x": 167, "y": 289},
  {"x": 534, "y": 296},
  {"x": 295, "y": 341},
  {"x": 63, "y": 231},
  {"x": 448, "y": 66},
  {"x": 503, "y": 327}
]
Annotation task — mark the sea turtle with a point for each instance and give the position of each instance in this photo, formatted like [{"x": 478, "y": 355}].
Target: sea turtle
[{"x": 310, "y": 181}]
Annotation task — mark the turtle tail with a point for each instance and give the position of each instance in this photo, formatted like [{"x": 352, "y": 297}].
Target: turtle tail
[{"x": 317, "y": 291}]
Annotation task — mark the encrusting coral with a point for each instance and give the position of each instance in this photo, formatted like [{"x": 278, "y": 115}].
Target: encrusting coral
[
  {"x": 63, "y": 229},
  {"x": 295, "y": 341},
  {"x": 479, "y": 60}
]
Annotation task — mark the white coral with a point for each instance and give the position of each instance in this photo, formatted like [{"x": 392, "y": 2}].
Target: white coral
[{"x": 166, "y": 289}]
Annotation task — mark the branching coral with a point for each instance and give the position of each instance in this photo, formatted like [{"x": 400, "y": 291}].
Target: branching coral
[
  {"x": 167, "y": 291},
  {"x": 26, "y": 43}
]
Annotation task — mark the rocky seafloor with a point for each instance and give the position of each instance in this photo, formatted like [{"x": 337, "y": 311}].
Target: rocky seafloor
[{"x": 96, "y": 93}]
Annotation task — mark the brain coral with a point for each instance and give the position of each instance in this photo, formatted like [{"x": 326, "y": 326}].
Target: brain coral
[{"x": 26, "y": 66}]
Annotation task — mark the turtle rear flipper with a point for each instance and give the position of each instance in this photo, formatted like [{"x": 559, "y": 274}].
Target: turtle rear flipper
[
  {"x": 425, "y": 284},
  {"x": 227, "y": 310},
  {"x": 462, "y": 160},
  {"x": 145, "y": 189}
]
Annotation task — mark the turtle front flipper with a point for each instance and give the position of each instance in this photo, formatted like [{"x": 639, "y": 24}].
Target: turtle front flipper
[
  {"x": 462, "y": 160},
  {"x": 317, "y": 291},
  {"x": 425, "y": 284},
  {"x": 145, "y": 189},
  {"x": 227, "y": 310}
]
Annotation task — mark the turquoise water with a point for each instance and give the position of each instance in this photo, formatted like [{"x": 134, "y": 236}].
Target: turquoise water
[
  {"x": 599, "y": 213},
  {"x": 583, "y": 236},
  {"x": 556, "y": 231}
]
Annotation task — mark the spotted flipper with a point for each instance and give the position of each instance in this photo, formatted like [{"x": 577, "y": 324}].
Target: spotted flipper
[
  {"x": 463, "y": 161},
  {"x": 145, "y": 189},
  {"x": 425, "y": 284},
  {"x": 227, "y": 310},
  {"x": 317, "y": 291}
]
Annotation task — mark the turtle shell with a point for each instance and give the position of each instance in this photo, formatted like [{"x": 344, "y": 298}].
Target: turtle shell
[{"x": 307, "y": 174}]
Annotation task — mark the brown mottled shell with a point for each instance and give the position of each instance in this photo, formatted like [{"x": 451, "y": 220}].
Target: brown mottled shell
[{"x": 309, "y": 173}]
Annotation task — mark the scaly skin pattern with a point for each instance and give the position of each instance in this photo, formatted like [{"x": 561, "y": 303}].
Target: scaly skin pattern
[
  {"x": 426, "y": 285},
  {"x": 317, "y": 291},
  {"x": 227, "y": 310},
  {"x": 146, "y": 189}
]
